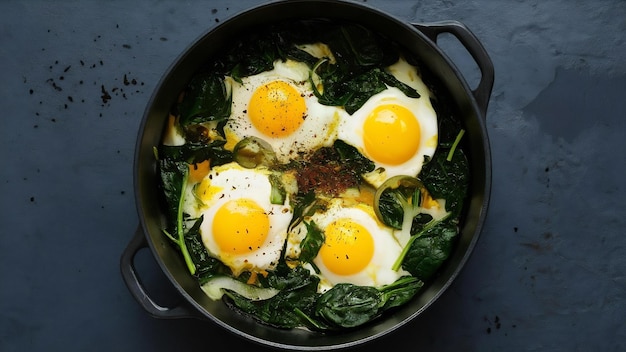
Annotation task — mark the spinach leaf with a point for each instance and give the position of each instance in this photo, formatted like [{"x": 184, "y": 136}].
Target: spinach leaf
[
  {"x": 400, "y": 292},
  {"x": 206, "y": 266},
  {"x": 447, "y": 179},
  {"x": 304, "y": 204},
  {"x": 356, "y": 47},
  {"x": 174, "y": 175},
  {"x": 428, "y": 252},
  {"x": 288, "y": 309},
  {"x": 286, "y": 278},
  {"x": 352, "y": 92},
  {"x": 173, "y": 178},
  {"x": 347, "y": 305},
  {"x": 193, "y": 153},
  {"x": 206, "y": 99},
  {"x": 311, "y": 244},
  {"x": 352, "y": 159}
]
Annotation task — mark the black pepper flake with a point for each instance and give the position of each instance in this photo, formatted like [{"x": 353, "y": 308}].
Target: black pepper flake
[
  {"x": 32, "y": 199},
  {"x": 67, "y": 68},
  {"x": 126, "y": 46},
  {"x": 71, "y": 100},
  {"x": 31, "y": 91}
]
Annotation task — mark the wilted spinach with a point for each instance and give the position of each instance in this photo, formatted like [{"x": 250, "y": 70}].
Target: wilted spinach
[
  {"x": 311, "y": 244},
  {"x": 206, "y": 99},
  {"x": 428, "y": 252},
  {"x": 361, "y": 57},
  {"x": 448, "y": 179},
  {"x": 290, "y": 307},
  {"x": 348, "y": 305}
]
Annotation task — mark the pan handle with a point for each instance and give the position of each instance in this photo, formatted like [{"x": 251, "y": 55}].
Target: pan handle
[
  {"x": 475, "y": 49},
  {"x": 133, "y": 282}
]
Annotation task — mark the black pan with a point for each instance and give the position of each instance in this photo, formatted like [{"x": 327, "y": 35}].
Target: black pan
[{"x": 421, "y": 41}]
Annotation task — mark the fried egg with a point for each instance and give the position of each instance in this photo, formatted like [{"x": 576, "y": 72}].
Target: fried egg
[
  {"x": 241, "y": 227},
  {"x": 393, "y": 130},
  {"x": 279, "y": 106},
  {"x": 357, "y": 248}
]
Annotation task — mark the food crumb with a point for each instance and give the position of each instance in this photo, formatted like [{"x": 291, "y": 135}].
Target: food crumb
[{"x": 105, "y": 95}]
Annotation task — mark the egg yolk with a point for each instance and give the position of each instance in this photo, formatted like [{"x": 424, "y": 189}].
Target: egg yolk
[
  {"x": 240, "y": 226},
  {"x": 348, "y": 247},
  {"x": 391, "y": 134},
  {"x": 277, "y": 109}
]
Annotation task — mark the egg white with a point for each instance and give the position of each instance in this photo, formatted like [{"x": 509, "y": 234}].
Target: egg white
[
  {"x": 351, "y": 127},
  {"x": 317, "y": 130},
  {"x": 228, "y": 182}
]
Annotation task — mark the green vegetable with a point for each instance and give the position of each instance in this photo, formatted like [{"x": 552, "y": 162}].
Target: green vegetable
[
  {"x": 362, "y": 56},
  {"x": 278, "y": 194},
  {"x": 206, "y": 266},
  {"x": 173, "y": 167},
  {"x": 193, "y": 153},
  {"x": 447, "y": 179},
  {"x": 397, "y": 202},
  {"x": 206, "y": 99},
  {"x": 354, "y": 91},
  {"x": 347, "y": 305},
  {"x": 174, "y": 180},
  {"x": 311, "y": 244},
  {"x": 251, "y": 152},
  {"x": 287, "y": 309},
  {"x": 352, "y": 159},
  {"x": 427, "y": 252},
  {"x": 406, "y": 248},
  {"x": 303, "y": 205},
  {"x": 455, "y": 145}
]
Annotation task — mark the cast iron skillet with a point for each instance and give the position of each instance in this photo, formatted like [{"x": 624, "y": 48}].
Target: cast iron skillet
[{"x": 421, "y": 41}]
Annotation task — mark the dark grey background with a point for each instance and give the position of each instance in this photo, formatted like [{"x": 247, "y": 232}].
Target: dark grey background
[{"x": 548, "y": 273}]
